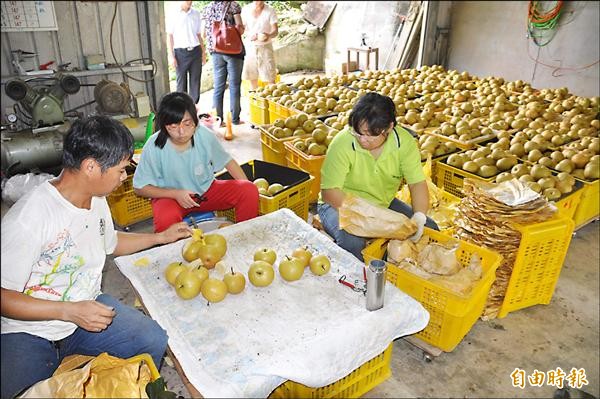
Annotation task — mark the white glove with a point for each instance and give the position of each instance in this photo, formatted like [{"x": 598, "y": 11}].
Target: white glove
[{"x": 419, "y": 219}]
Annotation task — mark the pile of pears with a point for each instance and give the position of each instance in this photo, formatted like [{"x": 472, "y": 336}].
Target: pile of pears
[
  {"x": 267, "y": 189},
  {"x": 203, "y": 252},
  {"x": 191, "y": 279},
  {"x": 296, "y": 126},
  {"x": 432, "y": 146},
  {"x": 262, "y": 272}
]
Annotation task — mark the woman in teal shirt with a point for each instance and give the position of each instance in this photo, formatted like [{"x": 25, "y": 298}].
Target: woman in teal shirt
[{"x": 178, "y": 165}]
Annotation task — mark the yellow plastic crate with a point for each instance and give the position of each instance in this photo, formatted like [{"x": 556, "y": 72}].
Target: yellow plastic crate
[
  {"x": 246, "y": 88},
  {"x": 451, "y": 315},
  {"x": 259, "y": 110},
  {"x": 278, "y": 111},
  {"x": 228, "y": 213},
  {"x": 146, "y": 358},
  {"x": 273, "y": 149},
  {"x": 464, "y": 145},
  {"x": 588, "y": 207},
  {"x": 538, "y": 263},
  {"x": 452, "y": 179},
  {"x": 567, "y": 204},
  {"x": 127, "y": 207},
  {"x": 294, "y": 197},
  {"x": 354, "y": 385},
  {"x": 308, "y": 163},
  {"x": 446, "y": 200}
]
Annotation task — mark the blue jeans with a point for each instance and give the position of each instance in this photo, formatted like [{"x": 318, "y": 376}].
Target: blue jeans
[
  {"x": 223, "y": 66},
  {"x": 27, "y": 359},
  {"x": 351, "y": 243}
]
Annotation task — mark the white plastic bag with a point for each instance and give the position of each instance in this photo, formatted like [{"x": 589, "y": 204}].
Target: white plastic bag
[{"x": 19, "y": 185}]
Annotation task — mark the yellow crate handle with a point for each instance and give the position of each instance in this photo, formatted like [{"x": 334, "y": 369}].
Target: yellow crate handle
[{"x": 145, "y": 357}]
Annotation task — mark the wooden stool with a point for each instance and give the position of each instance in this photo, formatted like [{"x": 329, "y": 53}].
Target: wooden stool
[{"x": 368, "y": 51}]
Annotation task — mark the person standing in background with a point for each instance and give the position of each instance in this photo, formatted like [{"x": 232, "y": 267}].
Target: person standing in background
[
  {"x": 184, "y": 29},
  {"x": 225, "y": 64},
  {"x": 260, "y": 22}
]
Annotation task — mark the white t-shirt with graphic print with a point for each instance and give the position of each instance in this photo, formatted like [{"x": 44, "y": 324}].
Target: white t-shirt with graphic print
[{"x": 53, "y": 250}]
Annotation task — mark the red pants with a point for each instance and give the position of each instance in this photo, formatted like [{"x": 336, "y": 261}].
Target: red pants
[{"x": 222, "y": 194}]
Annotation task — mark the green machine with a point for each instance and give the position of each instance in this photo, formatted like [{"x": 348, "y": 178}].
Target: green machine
[{"x": 43, "y": 102}]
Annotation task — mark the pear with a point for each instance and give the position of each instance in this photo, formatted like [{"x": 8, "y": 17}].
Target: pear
[
  {"x": 218, "y": 241},
  {"x": 214, "y": 290},
  {"x": 591, "y": 171}
]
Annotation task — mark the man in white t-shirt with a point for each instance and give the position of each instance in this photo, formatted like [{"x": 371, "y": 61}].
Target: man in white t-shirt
[
  {"x": 260, "y": 21},
  {"x": 54, "y": 244},
  {"x": 184, "y": 27}
]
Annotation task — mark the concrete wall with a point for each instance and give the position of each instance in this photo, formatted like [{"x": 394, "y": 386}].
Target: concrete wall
[
  {"x": 305, "y": 54},
  {"x": 378, "y": 19},
  {"x": 489, "y": 38}
]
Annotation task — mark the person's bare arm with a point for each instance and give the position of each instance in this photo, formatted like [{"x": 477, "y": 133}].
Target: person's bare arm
[
  {"x": 235, "y": 170},
  {"x": 238, "y": 23},
  {"x": 202, "y": 47},
  {"x": 128, "y": 243},
  {"x": 274, "y": 31},
  {"x": 333, "y": 196},
  {"x": 89, "y": 315},
  {"x": 171, "y": 45},
  {"x": 419, "y": 195}
]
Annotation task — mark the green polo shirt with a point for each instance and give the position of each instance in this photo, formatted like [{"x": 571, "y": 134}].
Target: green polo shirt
[{"x": 353, "y": 169}]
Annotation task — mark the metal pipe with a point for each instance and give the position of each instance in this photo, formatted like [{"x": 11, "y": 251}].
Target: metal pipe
[{"x": 41, "y": 148}]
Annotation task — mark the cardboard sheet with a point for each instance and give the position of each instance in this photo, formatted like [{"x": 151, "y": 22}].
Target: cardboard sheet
[{"x": 313, "y": 331}]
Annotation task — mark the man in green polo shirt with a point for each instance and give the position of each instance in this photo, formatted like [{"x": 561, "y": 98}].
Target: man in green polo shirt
[{"x": 369, "y": 159}]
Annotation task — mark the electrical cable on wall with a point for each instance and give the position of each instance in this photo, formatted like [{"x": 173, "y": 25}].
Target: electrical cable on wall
[
  {"x": 541, "y": 22},
  {"x": 112, "y": 50},
  {"x": 542, "y": 26}
]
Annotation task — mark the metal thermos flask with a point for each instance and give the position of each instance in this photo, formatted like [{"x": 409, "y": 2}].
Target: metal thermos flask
[{"x": 375, "y": 284}]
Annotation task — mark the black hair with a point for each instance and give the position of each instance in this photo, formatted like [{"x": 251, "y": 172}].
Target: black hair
[
  {"x": 102, "y": 138},
  {"x": 376, "y": 110},
  {"x": 171, "y": 109}
]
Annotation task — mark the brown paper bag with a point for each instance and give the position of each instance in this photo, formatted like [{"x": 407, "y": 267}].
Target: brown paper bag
[
  {"x": 104, "y": 376},
  {"x": 359, "y": 217}
]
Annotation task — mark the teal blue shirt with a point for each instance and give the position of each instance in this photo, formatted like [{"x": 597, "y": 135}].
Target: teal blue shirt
[{"x": 193, "y": 169}]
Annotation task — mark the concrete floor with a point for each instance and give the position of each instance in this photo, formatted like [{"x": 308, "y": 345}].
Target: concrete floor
[{"x": 563, "y": 334}]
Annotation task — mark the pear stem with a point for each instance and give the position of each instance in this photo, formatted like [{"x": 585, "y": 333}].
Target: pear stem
[{"x": 232, "y": 270}]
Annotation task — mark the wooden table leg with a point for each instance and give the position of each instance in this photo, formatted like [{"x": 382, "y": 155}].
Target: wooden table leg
[
  {"x": 348, "y": 64},
  {"x": 191, "y": 389},
  {"x": 376, "y": 59}
]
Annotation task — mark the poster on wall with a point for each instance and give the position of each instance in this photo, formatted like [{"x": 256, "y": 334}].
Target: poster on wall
[{"x": 22, "y": 16}]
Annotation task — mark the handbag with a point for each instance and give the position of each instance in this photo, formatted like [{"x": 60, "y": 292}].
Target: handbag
[{"x": 226, "y": 38}]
